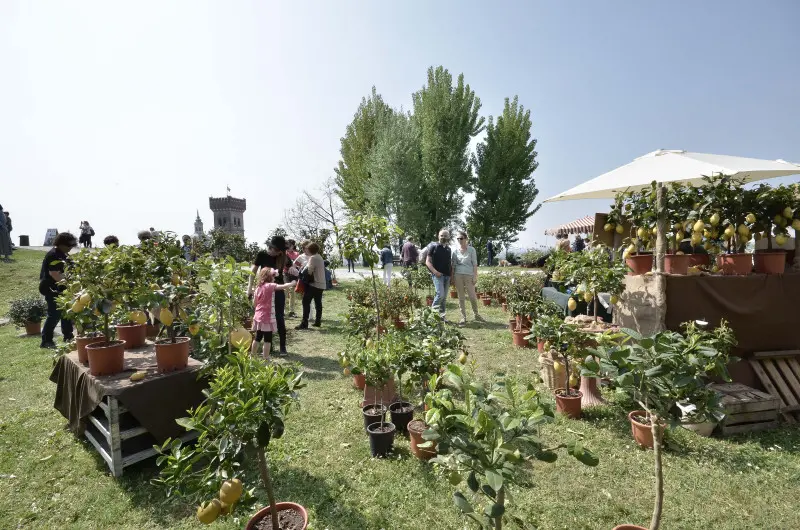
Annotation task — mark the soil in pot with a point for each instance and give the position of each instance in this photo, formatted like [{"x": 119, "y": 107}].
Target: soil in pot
[
  {"x": 770, "y": 261},
  {"x": 519, "y": 338},
  {"x": 360, "y": 381},
  {"x": 415, "y": 430},
  {"x": 171, "y": 357},
  {"x": 33, "y": 328},
  {"x": 381, "y": 438},
  {"x": 402, "y": 412},
  {"x": 569, "y": 404},
  {"x": 677, "y": 263},
  {"x": 373, "y": 414},
  {"x": 106, "y": 358},
  {"x": 639, "y": 263},
  {"x": 291, "y": 516},
  {"x": 134, "y": 335},
  {"x": 640, "y": 426},
  {"x": 82, "y": 342},
  {"x": 735, "y": 264}
]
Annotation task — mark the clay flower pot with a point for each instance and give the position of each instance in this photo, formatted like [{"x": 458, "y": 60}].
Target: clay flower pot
[
  {"x": 280, "y": 506},
  {"x": 570, "y": 405},
  {"x": 642, "y": 433},
  {"x": 639, "y": 264},
  {"x": 106, "y": 358},
  {"x": 770, "y": 261},
  {"x": 540, "y": 346},
  {"x": 677, "y": 263},
  {"x": 735, "y": 264},
  {"x": 82, "y": 342},
  {"x": 486, "y": 300},
  {"x": 33, "y": 328},
  {"x": 702, "y": 260},
  {"x": 429, "y": 300},
  {"x": 399, "y": 324},
  {"x": 524, "y": 321},
  {"x": 359, "y": 381},
  {"x": 134, "y": 335},
  {"x": 415, "y": 430},
  {"x": 504, "y": 306},
  {"x": 629, "y": 527},
  {"x": 171, "y": 357},
  {"x": 453, "y": 294},
  {"x": 519, "y": 339}
]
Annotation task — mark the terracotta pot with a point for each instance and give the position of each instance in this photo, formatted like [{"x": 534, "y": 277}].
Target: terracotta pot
[
  {"x": 171, "y": 357},
  {"x": 33, "y": 328},
  {"x": 519, "y": 339},
  {"x": 399, "y": 324},
  {"x": 429, "y": 300},
  {"x": 453, "y": 294},
  {"x": 359, "y": 381},
  {"x": 152, "y": 331},
  {"x": 387, "y": 394},
  {"x": 629, "y": 527},
  {"x": 264, "y": 513},
  {"x": 677, "y": 263},
  {"x": 642, "y": 433},
  {"x": 247, "y": 323},
  {"x": 770, "y": 261},
  {"x": 735, "y": 264},
  {"x": 487, "y": 301},
  {"x": 106, "y": 358},
  {"x": 591, "y": 392},
  {"x": 570, "y": 406},
  {"x": 524, "y": 321},
  {"x": 134, "y": 335},
  {"x": 82, "y": 342},
  {"x": 639, "y": 264},
  {"x": 540, "y": 346},
  {"x": 702, "y": 260},
  {"x": 415, "y": 430}
]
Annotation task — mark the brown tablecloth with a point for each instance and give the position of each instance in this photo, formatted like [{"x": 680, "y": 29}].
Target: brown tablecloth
[{"x": 156, "y": 401}]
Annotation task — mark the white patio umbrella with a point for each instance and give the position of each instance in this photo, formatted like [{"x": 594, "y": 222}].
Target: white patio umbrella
[{"x": 676, "y": 166}]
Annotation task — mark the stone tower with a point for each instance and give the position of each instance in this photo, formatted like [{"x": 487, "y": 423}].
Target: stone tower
[
  {"x": 198, "y": 226},
  {"x": 228, "y": 213}
]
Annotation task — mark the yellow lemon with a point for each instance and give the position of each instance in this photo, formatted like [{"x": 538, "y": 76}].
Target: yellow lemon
[
  {"x": 696, "y": 238},
  {"x": 614, "y": 299},
  {"x": 241, "y": 337},
  {"x": 230, "y": 491},
  {"x": 166, "y": 317},
  {"x": 714, "y": 219},
  {"x": 154, "y": 287},
  {"x": 796, "y": 224},
  {"x": 573, "y": 381},
  {"x": 85, "y": 299},
  {"x": 346, "y": 371},
  {"x": 608, "y": 227},
  {"x": 788, "y": 213},
  {"x": 729, "y": 232},
  {"x": 744, "y": 231},
  {"x": 77, "y": 307},
  {"x": 750, "y": 218},
  {"x": 462, "y": 358},
  {"x": 194, "y": 328},
  {"x": 208, "y": 512},
  {"x": 137, "y": 317},
  {"x": 642, "y": 232},
  {"x": 587, "y": 297},
  {"x": 138, "y": 376},
  {"x": 780, "y": 239},
  {"x": 572, "y": 304},
  {"x": 679, "y": 236},
  {"x": 620, "y": 230},
  {"x": 699, "y": 226},
  {"x": 176, "y": 280}
]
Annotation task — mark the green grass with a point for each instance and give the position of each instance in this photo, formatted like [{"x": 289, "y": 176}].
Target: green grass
[{"x": 323, "y": 462}]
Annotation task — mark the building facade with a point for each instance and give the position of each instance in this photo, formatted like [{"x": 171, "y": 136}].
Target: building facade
[{"x": 228, "y": 213}]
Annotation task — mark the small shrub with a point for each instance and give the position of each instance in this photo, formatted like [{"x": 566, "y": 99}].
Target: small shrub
[{"x": 30, "y": 309}]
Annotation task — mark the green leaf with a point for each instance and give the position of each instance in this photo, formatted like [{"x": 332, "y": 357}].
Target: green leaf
[
  {"x": 472, "y": 482},
  {"x": 495, "y": 510},
  {"x": 488, "y": 491},
  {"x": 494, "y": 479},
  {"x": 462, "y": 503},
  {"x": 582, "y": 454},
  {"x": 454, "y": 477},
  {"x": 547, "y": 456},
  {"x": 186, "y": 423},
  {"x": 656, "y": 371}
]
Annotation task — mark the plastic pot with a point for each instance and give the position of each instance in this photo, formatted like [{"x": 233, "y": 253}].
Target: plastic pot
[
  {"x": 33, "y": 328},
  {"x": 134, "y": 335},
  {"x": 415, "y": 430},
  {"x": 106, "y": 358},
  {"x": 770, "y": 261},
  {"x": 519, "y": 338},
  {"x": 381, "y": 438},
  {"x": 703, "y": 260},
  {"x": 171, "y": 357},
  {"x": 677, "y": 263},
  {"x": 639, "y": 264},
  {"x": 280, "y": 506},
  {"x": 703, "y": 429},
  {"x": 629, "y": 527},
  {"x": 372, "y": 413},
  {"x": 401, "y": 417},
  {"x": 735, "y": 264},
  {"x": 642, "y": 433},
  {"x": 82, "y": 342},
  {"x": 570, "y": 405}
]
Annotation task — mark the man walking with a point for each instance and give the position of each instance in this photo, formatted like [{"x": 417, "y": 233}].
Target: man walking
[
  {"x": 490, "y": 251},
  {"x": 387, "y": 262},
  {"x": 438, "y": 261},
  {"x": 409, "y": 253},
  {"x": 52, "y": 272}
]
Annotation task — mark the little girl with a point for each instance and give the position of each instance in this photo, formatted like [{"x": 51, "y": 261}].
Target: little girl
[{"x": 264, "y": 322}]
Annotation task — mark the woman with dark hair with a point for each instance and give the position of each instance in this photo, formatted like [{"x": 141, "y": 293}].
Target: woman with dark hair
[
  {"x": 111, "y": 241},
  {"x": 275, "y": 258},
  {"x": 313, "y": 276},
  {"x": 53, "y": 269}
]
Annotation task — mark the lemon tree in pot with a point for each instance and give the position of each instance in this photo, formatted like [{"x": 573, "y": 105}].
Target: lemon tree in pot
[
  {"x": 725, "y": 197},
  {"x": 639, "y": 207},
  {"x": 380, "y": 360},
  {"x": 28, "y": 313},
  {"x": 131, "y": 320},
  {"x": 774, "y": 211},
  {"x": 245, "y": 409},
  {"x": 570, "y": 343},
  {"x": 486, "y": 435},
  {"x": 172, "y": 298}
]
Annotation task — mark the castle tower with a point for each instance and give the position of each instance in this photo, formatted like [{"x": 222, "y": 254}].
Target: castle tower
[
  {"x": 198, "y": 226},
  {"x": 228, "y": 213}
]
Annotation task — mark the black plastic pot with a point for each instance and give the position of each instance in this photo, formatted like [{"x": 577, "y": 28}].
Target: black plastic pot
[
  {"x": 381, "y": 439},
  {"x": 399, "y": 418},
  {"x": 371, "y": 417}
]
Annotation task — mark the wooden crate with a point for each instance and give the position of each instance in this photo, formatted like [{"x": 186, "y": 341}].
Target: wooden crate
[
  {"x": 779, "y": 372},
  {"x": 746, "y": 409}
]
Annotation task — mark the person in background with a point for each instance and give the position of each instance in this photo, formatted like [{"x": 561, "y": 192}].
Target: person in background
[
  {"x": 275, "y": 258},
  {"x": 387, "y": 262},
  {"x": 264, "y": 319},
  {"x": 10, "y": 227},
  {"x": 438, "y": 261},
  {"x": 144, "y": 235},
  {"x": 577, "y": 245},
  {"x": 409, "y": 253},
  {"x": 465, "y": 275},
  {"x": 5, "y": 237},
  {"x": 188, "y": 249},
  {"x": 111, "y": 241},
  {"x": 314, "y": 272},
  {"x": 52, "y": 271},
  {"x": 292, "y": 254},
  {"x": 490, "y": 251},
  {"x": 562, "y": 243},
  {"x": 296, "y": 265},
  {"x": 86, "y": 234}
]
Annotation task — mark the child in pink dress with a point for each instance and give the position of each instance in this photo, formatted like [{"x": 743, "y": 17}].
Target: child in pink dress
[{"x": 264, "y": 322}]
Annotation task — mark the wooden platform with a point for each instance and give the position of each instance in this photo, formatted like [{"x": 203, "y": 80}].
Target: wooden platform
[
  {"x": 746, "y": 409},
  {"x": 779, "y": 372}
]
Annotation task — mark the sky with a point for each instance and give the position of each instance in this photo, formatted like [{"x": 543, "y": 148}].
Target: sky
[{"x": 131, "y": 114}]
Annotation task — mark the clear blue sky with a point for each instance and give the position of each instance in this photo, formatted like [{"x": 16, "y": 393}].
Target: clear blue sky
[{"x": 130, "y": 116}]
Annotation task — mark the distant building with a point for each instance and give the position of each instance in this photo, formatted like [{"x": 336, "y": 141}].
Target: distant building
[
  {"x": 228, "y": 213},
  {"x": 198, "y": 226}
]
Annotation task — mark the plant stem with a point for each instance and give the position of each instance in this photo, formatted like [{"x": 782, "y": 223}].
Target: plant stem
[
  {"x": 375, "y": 295},
  {"x": 106, "y": 330},
  {"x": 655, "y": 522},
  {"x": 267, "y": 479},
  {"x": 501, "y": 500},
  {"x": 595, "y": 306}
]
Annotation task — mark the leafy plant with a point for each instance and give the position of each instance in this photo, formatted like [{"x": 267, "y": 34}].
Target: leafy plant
[
  {"x": 30, "y": 309},
  {"x": 486, "y": 439},
  {"x": 524, "y": 294},
  {"x": 593, "y": 271}
]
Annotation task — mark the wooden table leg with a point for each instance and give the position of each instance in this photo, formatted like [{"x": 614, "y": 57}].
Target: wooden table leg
[{"x": 115, "y": 443}]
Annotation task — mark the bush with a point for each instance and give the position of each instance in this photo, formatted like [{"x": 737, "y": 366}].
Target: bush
[{"x": 31, "y": 309}]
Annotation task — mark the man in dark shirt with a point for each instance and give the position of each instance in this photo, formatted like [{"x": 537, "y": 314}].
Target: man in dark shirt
[
  {"x": 490, "y": 251},
  {"x": 53, "y": 268},
  {"x": 577, "y": 245},
  {"x": 275, "y": 258},
  {"x": 409, "y": 254},
  {"x": 439, "y": 263}
]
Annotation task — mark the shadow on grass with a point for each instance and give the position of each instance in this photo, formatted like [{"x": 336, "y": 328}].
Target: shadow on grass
[{"x": 317, "y": 367}]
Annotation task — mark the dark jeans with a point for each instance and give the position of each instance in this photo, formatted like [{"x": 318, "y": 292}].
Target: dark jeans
[
  {"x": 312, "y": 293},
  {"x": 280, "y": 308},
  {"x": 491, "y": 258},
  {"x": 351, "y": 266},
  {"x": 53, "y": 316}
]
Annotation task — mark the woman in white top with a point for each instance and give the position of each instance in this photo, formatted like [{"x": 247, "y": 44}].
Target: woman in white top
[
  {"x": 465, "y": 275},
  {"x": 315, "y": 267}
]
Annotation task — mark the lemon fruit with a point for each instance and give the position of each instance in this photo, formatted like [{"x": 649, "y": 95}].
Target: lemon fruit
[
  {"x": 796, "y": 224},
  {"x": 608, "y": 227},
  {"x": 614, "y": 299},
  {"x": 696, "y": 238},
  {"x": 729, "y": 232},
  {"x": 346, "y": 371},
  {"x": 77, "y": 307},
  {"x": 699, "y": 226},
  {"x": 620, "y": 230},
  {"x": 788, "y": 213},
  {"x": 138, "y": 376},
  {"x": 714, "y": 219},
  {"x": 573, "y": 380},
  {"x": 587, "y": 297},
  {"x": 750, "y": 218},
  {"x": 743, "y": 231},
  {"x": 241, "y": 337},
  {"x": 207, "y": 513},
  {"x": 572, "y": 304},
  {"x": 642, "y": 232},
  {"x": 780, "y": 239},
  {"x": 137, "y": 317},
  {"x": 230, "y": 491},
  {"x": 166, "y": 317},
  {"x": 462, "y": 358},
  {"x": 194, "y": 328},
  {"x": 85, "y": 299}
]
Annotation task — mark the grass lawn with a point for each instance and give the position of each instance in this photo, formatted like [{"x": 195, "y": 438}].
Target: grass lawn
[{"x": 50, "y": 479}]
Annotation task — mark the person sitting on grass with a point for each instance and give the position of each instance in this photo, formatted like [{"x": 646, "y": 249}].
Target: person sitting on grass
[{"x": 264, "y": 320}]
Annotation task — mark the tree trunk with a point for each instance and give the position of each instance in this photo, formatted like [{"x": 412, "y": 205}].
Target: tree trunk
[
  {"x": 501, "y": 500},
  {"x": 375, "y": 297},
  {"x": 661, "y": 247},
  {"x": 265, "y": 477},
  {"x": 655, "y": 522}
]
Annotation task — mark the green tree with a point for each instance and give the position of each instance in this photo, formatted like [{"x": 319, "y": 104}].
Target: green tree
[
  {"x": 503, "y": 184},
  {"x": 447, "y": 119},
  {"x": 352, "y": 172}
]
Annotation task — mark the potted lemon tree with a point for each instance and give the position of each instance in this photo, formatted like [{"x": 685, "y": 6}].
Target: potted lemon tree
[{"x": 28, "y": 313}]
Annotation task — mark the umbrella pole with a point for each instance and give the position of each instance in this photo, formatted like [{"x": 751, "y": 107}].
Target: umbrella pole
[{"x": 661, "y": 248}]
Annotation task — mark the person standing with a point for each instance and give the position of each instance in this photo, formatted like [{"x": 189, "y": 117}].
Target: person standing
[
  {"x": 292, "y": 254},
  {"x": 562, "y": 243},
  {"x": 275, "y": 258},
  {"x": 438, "y": 261},
  {"x": 387, "y": 262},
  {"x": 313, "y": 275},
  {"x": 490, "y": 252},
  {"x": 52, "y": 271},
  {"x": 10, "y": 228},
  {"x": 465, "y": 276},
  {"x": 5, "y": 237},
  {"x": 264, "y": 320},
  {"x": 578, "y": 245},
  {"x": 86, "y": 234},
  {"x": 409, "y": 253}
]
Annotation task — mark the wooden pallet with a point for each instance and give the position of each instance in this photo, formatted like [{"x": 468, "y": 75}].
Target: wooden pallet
[
  {"x": 779, "y": 372},
  {"x": 746, "y": 409}
]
